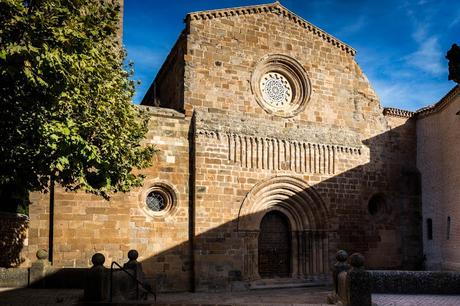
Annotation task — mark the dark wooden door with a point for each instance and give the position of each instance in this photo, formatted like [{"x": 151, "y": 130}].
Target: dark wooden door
[{"x": 274, "y": 246}]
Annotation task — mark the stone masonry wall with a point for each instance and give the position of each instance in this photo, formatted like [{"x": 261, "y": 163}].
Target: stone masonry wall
[
  {"x": 167, "y": 89},
  {"x": 438, "y": 158},
  {"x": 404, "y": 182},
  {"x": 237, "y": 144},
  {"x": 223, "y": 52},
  {"x": 86, "y": 224},
  {"x": 229, "y": 162}
]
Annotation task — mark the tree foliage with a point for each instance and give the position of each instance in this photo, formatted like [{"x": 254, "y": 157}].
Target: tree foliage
[{"x": 66, "y": 110}]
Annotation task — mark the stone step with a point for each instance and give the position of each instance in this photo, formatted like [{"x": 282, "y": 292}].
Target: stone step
[
  {"x": 147, "y": 303},
  {"x": 282, "y": 283}
]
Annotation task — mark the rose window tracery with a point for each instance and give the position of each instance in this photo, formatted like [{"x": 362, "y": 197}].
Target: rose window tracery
[
  {"x": 280, "y": 85},
  {"x": 276, "y": 89}
]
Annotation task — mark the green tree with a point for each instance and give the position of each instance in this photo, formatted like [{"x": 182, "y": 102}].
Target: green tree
[{"x": 66, "y": 113}]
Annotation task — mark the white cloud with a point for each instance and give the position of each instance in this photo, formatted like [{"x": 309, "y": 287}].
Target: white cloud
[
  {"x": 428, "y": 57},
  {"x": 410, "y": 95},
  {"x": 456, "y": 19},
  {"x": 353, "y": 28},
  {"x": 145, "y": 57},
  {"x": 420, "y": 33}
]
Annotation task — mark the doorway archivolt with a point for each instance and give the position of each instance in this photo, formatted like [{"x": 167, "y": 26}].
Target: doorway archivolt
[{"x": 307, "y": 215}]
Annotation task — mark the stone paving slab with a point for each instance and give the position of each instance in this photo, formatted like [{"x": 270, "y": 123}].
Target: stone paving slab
[
  {"x": 415, "y": 300},
  {"x": 274, "y": 297},
  {"x": 269, "y": 297},
  {"x": 39, "y": 297}
]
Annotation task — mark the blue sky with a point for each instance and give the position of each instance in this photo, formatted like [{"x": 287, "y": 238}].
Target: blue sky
[{"x": 401, "y": 45}]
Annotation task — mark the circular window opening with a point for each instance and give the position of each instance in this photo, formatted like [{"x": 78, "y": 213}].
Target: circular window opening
[
  {"x": 377, "y": 205},
  {"x": 156, "y": 201},
  {"x": 280, "y": 85},
  {"x": 159, "y": 199},
  {"x": 276, "y": 89}
]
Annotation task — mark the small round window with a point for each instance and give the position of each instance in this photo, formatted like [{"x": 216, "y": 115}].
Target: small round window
[
  {"x": 159, "y": 199},
  {"x": 378, "y": 206},
  {"x": 156, "y": 201}
]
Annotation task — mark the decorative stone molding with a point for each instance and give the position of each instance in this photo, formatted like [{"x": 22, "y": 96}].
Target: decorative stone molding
[
  {"x": 294, "y": 197},
  {"x": 273, "y": 8},
  {"x": 160, "y": 111},
  {"x": 216, "y": 125},
  {"x": 267, "y": 153},
  {"x": 396, "y": 112},
  {"x": 308, "y": 220},
  {"x": 209, "y": 134},
  {"x": 276, "y": 154},
  {"x": 280, "y": 85}
]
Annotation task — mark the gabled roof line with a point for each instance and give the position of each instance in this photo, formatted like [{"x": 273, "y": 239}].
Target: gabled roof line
[
  {"x": 431, "y": 109},
  {"x": 427, "y": 110},
  {"x": 275, "y": 8}
]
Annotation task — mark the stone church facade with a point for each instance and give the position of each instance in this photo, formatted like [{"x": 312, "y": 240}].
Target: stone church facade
[{"x": 274, "y": 152}]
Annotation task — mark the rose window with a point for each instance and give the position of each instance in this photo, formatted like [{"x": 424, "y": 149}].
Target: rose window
[
  {"x": 280, "y": 85},
  {"x": 276, "y": 89}
]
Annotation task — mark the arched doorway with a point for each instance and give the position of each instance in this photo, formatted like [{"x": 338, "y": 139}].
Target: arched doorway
[
  {"x": 299, "y": 208},
  {"x": 274, "y": 246}
]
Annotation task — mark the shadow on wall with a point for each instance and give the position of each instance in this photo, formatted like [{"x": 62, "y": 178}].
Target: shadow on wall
[
  {"x": 333, "y": 214},
  {"x": 339, "y": 213},
  {"x": 13, "y": 235}
]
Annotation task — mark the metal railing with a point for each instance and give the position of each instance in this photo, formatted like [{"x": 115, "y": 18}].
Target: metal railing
[{"x": 133, "y": 277}]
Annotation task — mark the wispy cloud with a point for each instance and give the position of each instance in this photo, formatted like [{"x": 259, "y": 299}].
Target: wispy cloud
[
  {"x": 454, "y": 22},
  {"x": 147, "y": 61},
  {"x": 145, "y": 57},
  {"x": 353, "y": 28},
  {"x": 456, "y": 19},
  {"x": 409, "y": 95},
  {"x": 428, "y": 57}
]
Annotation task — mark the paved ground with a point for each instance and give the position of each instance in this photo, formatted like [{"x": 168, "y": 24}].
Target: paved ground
[
  {"x": 274, "y": 297},
  {"x": 33, "y": 297},
  {"x": 294, "y": 296},
  {"x": 415, "y": 300}
]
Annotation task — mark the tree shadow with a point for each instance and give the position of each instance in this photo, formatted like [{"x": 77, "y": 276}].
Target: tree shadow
[{"x": 13, "y": 235}]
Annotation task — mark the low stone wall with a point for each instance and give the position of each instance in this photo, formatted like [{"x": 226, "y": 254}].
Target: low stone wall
[
  {"x": 13, "y": 238},
  {"x": 62, "y": 278},
  {"x": 415, "y": 282},
  {"x": 42, "y": 275},
  {"x": 14, "y": 277}
]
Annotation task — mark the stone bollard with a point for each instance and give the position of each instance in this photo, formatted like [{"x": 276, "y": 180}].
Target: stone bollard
[
  {"x": 38, "y": 270},
  {"x": 358, "y": 283},
  {"x": 340, "y": 266},
  {"x": 132, "y": 262},
  {"x": 136, "y": 291},
  {"x": 97, "y": 280},
  {"x": 132, "y": 266}
]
